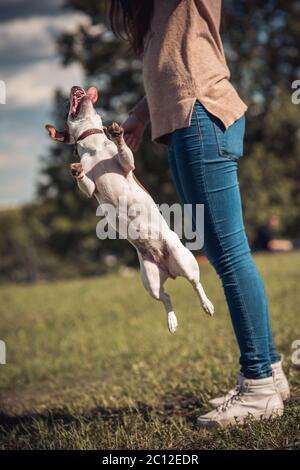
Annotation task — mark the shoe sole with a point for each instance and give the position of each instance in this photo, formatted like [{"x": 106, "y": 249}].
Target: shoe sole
[{"x": 210, "y": 425}]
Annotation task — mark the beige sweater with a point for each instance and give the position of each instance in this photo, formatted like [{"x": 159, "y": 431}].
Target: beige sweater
[{"x": 183, "y": 61}]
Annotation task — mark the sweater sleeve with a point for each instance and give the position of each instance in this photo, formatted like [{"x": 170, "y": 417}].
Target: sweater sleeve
[
  {"x": 141, "y": 111},
  {"x": 211, "y": 11}
]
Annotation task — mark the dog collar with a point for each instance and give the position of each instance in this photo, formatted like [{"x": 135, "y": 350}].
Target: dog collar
[
  {"x": 85, "y": 134},
  {"x": 88, "y": 133}
]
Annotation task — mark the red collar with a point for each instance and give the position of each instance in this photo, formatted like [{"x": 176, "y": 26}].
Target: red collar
[{"x": 88, "y": 133}]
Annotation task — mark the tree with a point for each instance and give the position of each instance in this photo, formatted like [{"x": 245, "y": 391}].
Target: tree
[{"x": 262, "y": 44}]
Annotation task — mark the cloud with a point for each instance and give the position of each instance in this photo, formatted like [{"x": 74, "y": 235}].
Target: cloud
[
  {"x": 35, "y": 85},
  {"x": 31, "y": 69},
  {"x": 23, "y": 142},
  {"x": 17, "y": 176},
  {"x": 25, "y": 41},
  {"x": 18, "y": 152},
  {"x": 23, "y": 138},
  {"x": 11, "y": 9},
  {"x": 14, "y": 184}
]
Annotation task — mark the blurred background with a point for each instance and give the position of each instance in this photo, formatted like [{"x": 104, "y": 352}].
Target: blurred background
[{"x": 46, "y": 47}]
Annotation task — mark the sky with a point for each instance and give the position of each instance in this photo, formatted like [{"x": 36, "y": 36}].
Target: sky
[{"x": 30, "y": 71}]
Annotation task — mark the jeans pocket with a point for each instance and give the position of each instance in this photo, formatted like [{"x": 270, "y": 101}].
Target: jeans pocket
[{"x": 230, "y": 140}]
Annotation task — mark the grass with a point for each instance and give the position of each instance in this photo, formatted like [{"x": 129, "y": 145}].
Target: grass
[{"x": 91, "y": 365}]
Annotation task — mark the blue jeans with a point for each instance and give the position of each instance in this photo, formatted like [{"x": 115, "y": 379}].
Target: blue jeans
[{"x": 203, "y": 159}]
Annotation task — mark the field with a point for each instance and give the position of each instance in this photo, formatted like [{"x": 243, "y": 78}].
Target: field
[{"x": 91, "y": 364}]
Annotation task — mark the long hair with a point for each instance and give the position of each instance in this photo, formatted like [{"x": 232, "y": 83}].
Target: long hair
[{"x": 131, "y": 19}]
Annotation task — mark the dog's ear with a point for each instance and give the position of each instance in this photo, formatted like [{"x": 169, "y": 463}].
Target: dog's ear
[{"x": 58, "y": 136}]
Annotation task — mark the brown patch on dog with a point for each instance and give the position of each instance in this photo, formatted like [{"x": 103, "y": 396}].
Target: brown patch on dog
[
  {"x": 155, "y": 251},
  {"x": 59, "y": 136}
]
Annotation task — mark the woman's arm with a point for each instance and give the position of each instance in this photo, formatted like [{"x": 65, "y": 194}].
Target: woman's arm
[
  {"x": 134, "y": 127},
  {"x": 141, "y": 111}
]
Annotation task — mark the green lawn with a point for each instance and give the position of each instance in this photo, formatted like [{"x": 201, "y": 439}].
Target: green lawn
[{"x": 91, "y": 364}]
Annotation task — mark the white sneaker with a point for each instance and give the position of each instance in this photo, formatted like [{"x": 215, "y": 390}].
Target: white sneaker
[
  {"x": 221, "y": 400},
  {"x": 281, "y": 383},
  {"x": 258, "y": 398}
]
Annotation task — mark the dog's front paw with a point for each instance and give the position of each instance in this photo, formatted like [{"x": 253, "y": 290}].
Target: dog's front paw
[
  {"x": 77, "y": 170},
  {"x": 116, "y": 132}
]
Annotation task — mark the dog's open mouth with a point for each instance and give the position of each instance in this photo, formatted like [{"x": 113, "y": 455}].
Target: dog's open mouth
[{"x": 76, "y": 99}]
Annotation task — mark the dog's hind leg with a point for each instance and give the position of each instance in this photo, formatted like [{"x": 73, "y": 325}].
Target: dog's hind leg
[
  {"x": 193, "y": 277},
  {"x": 186, "y": 265},
  {"x": 192, "y": 273},
  {"x": 205, "y": 302},
  {"x": 153, "y": 278},
  {"x": 171, "y": 317}
]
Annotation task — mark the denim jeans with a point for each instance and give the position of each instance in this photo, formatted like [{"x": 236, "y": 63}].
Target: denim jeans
[{"x": 203, "y": 159}]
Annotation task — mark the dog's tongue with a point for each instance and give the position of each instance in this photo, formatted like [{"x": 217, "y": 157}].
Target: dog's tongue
[{"x": 92, "y": 93}]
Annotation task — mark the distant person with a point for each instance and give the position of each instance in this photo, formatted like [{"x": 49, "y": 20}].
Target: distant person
[
  {"x": 265, "y": 239},
  {"x": 194, "y": 109}
]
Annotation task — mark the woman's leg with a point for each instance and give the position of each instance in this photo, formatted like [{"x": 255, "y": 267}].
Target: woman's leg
[
  {"x": 175, "y": 175},
  {"x": 203, "y": 175}
]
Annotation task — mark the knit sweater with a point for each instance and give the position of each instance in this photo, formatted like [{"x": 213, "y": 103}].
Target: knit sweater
[{"x": 184, "y": 61}]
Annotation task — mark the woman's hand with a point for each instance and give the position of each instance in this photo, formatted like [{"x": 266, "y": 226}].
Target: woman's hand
[{"x": 133, "y": 132}]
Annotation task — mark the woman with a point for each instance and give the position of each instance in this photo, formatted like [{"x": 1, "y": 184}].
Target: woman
[{"x": 194, "y": 109}]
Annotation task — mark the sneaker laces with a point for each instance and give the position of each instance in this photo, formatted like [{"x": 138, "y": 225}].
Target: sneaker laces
[
  {"x": 240, "y": 390},
  {"x": 230, "y": 394}
]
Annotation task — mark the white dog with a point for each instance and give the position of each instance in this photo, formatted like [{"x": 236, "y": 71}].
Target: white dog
[{"x": 106, "y": 171}]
